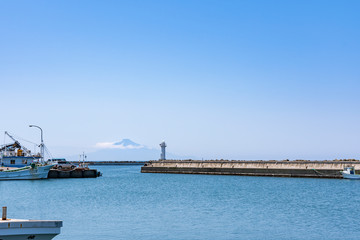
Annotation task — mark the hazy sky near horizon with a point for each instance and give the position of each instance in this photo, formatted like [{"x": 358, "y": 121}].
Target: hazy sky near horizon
[{"x": 215, "y": 79}]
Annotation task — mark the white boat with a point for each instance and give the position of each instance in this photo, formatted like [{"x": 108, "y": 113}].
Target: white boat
[
  {"x": 19, "y": 229},
  {"x": 32, "y": 172},
  {"x": 349, "y": 173},
  {"x": 17, "y": 162}
]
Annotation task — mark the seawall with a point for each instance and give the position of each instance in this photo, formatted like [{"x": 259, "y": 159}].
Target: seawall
[
  {"x": 110, "y": 162},
  {"x": 303, "y": 168}
]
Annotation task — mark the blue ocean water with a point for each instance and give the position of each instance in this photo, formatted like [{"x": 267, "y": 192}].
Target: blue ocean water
[{"x": 127, "y": 204}]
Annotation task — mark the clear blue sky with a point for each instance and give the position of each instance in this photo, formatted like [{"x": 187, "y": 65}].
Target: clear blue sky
[{"x": 215, "y": 79}]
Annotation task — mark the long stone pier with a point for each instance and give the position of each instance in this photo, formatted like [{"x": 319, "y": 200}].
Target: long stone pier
[
  {"x": 297, "y": 168},
  {"x": 111, "y": 162}
]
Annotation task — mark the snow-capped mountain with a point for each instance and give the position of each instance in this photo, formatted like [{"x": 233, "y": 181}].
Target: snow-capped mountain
[
  {"x": 123, "y": 144},
  {"x": 128, "y": 143},
  {"x": 124, "y": 150}
]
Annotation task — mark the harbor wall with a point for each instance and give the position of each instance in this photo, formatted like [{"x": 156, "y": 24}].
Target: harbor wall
[
  {"x": 110, "y": 163},
  {"x": 316, "y": 169}
]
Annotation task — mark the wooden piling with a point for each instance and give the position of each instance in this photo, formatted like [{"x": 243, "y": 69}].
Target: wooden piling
[{"x": 4, "y": 210}]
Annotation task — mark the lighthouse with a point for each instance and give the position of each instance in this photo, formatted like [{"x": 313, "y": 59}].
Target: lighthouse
[{"x": 163, "y": 146}]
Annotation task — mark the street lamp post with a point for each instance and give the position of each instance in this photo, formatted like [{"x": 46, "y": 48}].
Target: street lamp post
[{"x": 42, "y": 142}]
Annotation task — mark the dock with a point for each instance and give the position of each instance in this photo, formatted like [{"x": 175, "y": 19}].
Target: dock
[
  {"x": 76, "y": 173},
  {"x": 272, "y": 168},
  {"x": 17, "y": 229}
]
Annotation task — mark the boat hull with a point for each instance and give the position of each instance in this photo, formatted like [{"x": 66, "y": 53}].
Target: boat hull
[
  {"x": 351, "y": 176},
  {"x": 39, "y": 172}
]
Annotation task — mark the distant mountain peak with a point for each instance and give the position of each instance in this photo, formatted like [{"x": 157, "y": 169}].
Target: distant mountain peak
[
  {"x": 127, "y": 142},
  {"x": 123, "y": 144}
]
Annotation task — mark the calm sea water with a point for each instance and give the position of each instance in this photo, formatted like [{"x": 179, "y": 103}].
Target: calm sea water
[{"x": 127, "y": 204}]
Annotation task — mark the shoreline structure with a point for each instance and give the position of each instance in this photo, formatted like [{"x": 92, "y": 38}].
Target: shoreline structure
[
  {"x": 110, "y": 163},
  {"x": 272, "y": 168}
]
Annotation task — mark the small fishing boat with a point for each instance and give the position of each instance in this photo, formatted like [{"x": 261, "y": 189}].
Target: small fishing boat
[
  {"x": 18, "y": 163},
  {"x": 32, "y": 172},
  {"x": 349, "y": 173}
]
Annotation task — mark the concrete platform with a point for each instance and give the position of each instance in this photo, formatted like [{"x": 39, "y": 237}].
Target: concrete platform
[{"x": 19, "y": 229}]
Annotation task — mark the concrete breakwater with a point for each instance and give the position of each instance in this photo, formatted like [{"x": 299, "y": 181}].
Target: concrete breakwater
[
  {"x": 110, "y": 162},
  {"x": 303, "y": 168}
]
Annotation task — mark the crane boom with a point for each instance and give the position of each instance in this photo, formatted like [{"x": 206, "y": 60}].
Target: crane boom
[
  {"x": 16, "y": 144},
  {"x": 6, "y": 133}
]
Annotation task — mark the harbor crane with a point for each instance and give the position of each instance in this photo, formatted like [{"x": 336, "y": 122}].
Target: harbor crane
[{"x": 14, "y": 145}]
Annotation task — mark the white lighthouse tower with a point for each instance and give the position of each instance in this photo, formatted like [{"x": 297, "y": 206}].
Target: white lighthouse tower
[{"x": 163, "y": 146}]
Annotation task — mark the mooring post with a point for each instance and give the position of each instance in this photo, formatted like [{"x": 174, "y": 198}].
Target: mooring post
[{"x": 4, "y": 213}]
